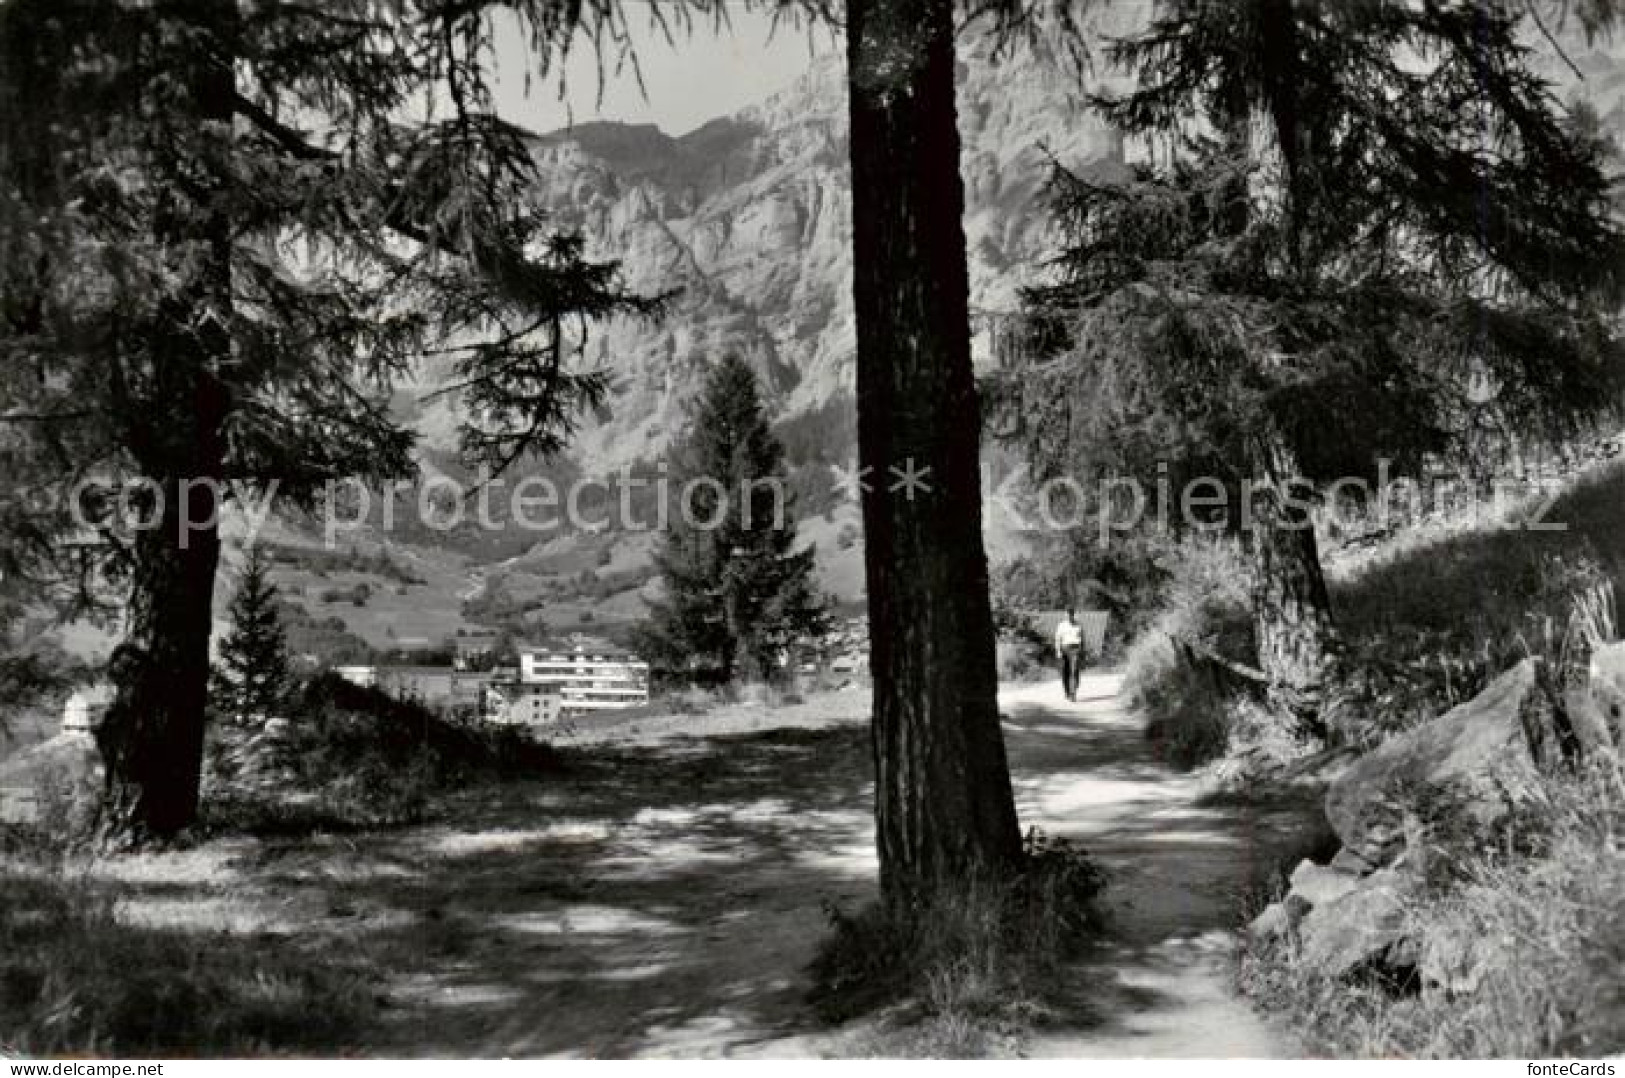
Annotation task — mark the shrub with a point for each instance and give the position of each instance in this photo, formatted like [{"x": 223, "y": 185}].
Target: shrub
[
  {"x": 357, "y": 757},
  {"x": 1018, "y": 659},
  {"x": 1187, "y": 718},
  {"x": 1022, "y": 651},
  {"x": 765, "y": 694},
  {"x": 1260, "y": 743},
  {"x": 694, "y": 699},
  {"x": 1207, "y": 607}
]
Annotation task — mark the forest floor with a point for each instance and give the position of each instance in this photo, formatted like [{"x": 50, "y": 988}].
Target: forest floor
[{"x": 665, "y": 896}]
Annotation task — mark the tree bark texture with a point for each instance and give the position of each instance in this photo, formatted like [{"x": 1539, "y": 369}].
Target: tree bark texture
[
  {"x": 1292, "y": 609},
  {"x": 943, "y": 800},
  {"x": 152, "y": 738}
]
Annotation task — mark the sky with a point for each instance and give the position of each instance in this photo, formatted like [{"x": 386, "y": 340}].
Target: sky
[{"x": 689, "y": 81}]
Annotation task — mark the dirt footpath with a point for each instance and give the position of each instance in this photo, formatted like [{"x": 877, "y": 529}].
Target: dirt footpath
[
  {"x": 1160, "y": 984},
  {"x": 665, "y": 897}
]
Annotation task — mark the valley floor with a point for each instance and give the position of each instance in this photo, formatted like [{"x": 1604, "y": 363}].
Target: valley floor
[{"x": 666, "y": 895}]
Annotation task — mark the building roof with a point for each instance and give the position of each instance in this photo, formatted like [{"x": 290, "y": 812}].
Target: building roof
[{"x": 579, "y": 645}]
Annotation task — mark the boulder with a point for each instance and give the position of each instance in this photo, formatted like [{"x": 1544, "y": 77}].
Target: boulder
[
  {"x": 1607, "y": 687},
  {"x": 1346, "y": 860},
  {"x": 1273, "y": 923},
  {"x": 1312, "y": 885},
  {"x": 1477, "y": 754},
  {"x": 1362, "y": 930},
  {"x": 1316, "y": 885}
]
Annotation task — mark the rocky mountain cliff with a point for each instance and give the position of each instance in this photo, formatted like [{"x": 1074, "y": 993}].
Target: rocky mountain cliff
[{"x": 749, "y": 218}]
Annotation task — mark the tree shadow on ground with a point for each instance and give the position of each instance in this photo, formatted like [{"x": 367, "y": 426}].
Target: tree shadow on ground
[
  {"x": 666, "y": 898},
  {"x": 1184, "y": 873},
  {"x": 654, "y": 899}
]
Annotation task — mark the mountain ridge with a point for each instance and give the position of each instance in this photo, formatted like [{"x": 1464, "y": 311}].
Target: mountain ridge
[{"x": 748, "y": 217}]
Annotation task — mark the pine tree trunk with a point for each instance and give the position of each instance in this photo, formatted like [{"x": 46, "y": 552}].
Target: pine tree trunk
[
  {"x": 1291, "y": 607},
  {"x": 151, "y": 739},
  {"x": 943, "y": 800}
]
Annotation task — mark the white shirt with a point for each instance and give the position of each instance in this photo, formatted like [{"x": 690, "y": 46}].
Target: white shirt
[{"x": 1068, "y": 637}]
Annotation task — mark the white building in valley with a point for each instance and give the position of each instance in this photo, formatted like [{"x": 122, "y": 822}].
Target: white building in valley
[
  {"x": 554, "y": 681},
  {"x": 589, "y": 675},
  {"x": 355, "y": 674}
]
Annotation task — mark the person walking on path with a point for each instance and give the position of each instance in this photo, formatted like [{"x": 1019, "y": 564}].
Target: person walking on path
[{"x": 1068, "y": 648}]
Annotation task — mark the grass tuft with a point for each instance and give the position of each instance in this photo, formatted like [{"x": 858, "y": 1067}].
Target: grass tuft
[
  {"x": 962, "y": 973},
  {"x": 74, "y": 979},
  {"x": 1533, "y": 946}
]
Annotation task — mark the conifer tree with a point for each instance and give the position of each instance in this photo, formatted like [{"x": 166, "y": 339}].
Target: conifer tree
[
  {"x": 252, "y": 676},
  {"x": 229, "y": 229},
  {"x": 1355, "y": 213},
  {"x": 739, "y": 593}
]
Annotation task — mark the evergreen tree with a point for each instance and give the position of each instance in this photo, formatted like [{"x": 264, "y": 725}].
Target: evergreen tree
[
  {"x": 1357, "y": 211},
  {"x": 228, "y": 229},
  {"x": 738, "y": 592},
  {"x": 252, "y": 677}
]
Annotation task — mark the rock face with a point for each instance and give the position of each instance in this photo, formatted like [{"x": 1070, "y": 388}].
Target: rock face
[
  {"x": 1362, "y": 929},
  {"x": 1608, "y": 689},
  {"x": 749, "y": 217},
  {"x": 1477, "y": 755},
  {"x": 1458, "y": 776}
]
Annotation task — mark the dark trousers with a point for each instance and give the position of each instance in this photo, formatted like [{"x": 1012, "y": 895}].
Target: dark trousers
[{"x": 1069, "y": 673}]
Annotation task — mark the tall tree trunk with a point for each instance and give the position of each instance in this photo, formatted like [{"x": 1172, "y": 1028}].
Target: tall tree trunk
[
  {"x": 943, "y": 803},
  {"x": 1293, "y": 616},
  {"x": 151, "y": 739}
]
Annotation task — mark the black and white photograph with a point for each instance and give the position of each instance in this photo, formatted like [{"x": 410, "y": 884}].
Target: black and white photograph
[{"x": 1002, "y": 530}]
